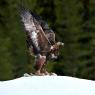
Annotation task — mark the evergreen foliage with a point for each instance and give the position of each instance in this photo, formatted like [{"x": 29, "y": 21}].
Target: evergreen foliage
[{"x": 74, "y": 24}]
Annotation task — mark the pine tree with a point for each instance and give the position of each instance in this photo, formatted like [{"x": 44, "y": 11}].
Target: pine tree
[
  {"x": 5, "y": 43},
  {"x": 69, "y": 31},
  {"x": 86, "y": 69}
]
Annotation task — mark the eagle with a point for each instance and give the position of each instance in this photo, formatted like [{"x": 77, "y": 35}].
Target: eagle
[{"x": 40, "y": 40}]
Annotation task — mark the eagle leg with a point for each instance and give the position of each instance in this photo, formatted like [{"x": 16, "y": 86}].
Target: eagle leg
[
  {"x": 43, "y": 69},
  {"x": 40, "y": 62}
]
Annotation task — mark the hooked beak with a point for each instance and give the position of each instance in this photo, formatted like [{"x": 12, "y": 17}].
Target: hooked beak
[{"x": 60, "y": 44}]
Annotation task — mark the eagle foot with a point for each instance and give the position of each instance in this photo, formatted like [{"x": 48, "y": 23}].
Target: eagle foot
[
  {"x": 39, "y": 73},
  {"x": 45, "y": 74}
]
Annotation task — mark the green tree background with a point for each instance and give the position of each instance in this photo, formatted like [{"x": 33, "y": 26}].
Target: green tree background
[{"x": 74, "y": 24}]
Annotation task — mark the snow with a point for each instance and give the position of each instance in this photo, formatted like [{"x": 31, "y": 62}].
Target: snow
[{"x": 47, "y": 85}]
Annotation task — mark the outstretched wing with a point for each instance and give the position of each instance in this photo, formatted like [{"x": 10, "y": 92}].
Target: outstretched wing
[
  {"x": 36, "y": 37},
  {"x": 48, "y": 31}
]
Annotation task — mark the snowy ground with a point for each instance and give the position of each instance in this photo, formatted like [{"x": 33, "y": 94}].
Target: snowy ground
[{"x": 47, "y": 85}]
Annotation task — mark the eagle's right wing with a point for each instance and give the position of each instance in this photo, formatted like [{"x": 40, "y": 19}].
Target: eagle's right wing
[
  {"x": 27, "y": 19},
  {"x": 36, "y": 37}
]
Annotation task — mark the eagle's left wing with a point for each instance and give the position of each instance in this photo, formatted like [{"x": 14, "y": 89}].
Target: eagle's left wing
[{"x": 47, "y": 30}]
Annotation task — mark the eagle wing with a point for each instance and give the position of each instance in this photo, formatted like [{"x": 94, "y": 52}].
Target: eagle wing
[
  {"x": 36, "y": 37},
  {"x": 48, "y": 31}
]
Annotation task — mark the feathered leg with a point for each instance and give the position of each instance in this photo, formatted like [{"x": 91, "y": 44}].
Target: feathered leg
[
  {"x": 43, "y": 69},
  {"x": 40, "y": 61}
]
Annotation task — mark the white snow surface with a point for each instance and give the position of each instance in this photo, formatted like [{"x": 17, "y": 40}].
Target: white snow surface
[{"x": 47, "y": 85}]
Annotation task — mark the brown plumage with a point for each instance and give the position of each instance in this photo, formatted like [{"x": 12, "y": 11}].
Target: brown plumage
[{"x": 40, "y": 39}]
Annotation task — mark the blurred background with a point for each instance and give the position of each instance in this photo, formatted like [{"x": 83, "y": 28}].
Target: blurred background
[{"x": 74, "y": 24}]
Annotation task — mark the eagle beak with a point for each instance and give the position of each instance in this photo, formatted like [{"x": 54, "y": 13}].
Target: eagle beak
[{"x": 60, "y": 44}]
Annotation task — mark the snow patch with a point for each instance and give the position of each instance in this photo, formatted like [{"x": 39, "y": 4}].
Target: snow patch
[{"x": 47, "y": 85}]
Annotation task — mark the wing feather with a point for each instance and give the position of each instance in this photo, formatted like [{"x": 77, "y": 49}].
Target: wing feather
[
  {"x": 36, "y": 38},
  {"x": 47, "y": 30},
  {"x": 27, "y": 19}
]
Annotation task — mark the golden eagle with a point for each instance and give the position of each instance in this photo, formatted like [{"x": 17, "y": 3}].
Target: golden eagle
[{"x": 40, "y": 39}]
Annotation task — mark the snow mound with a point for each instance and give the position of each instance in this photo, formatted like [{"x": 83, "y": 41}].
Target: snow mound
[{"x": 47, "y": 85}]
